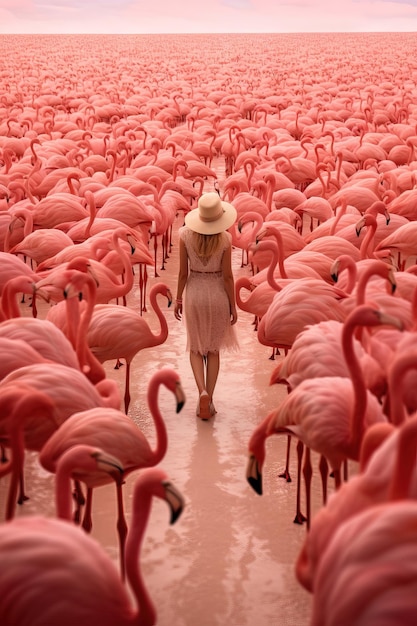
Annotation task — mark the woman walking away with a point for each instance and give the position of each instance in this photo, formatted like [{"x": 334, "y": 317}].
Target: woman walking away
[{"x": 206, "y": 275}]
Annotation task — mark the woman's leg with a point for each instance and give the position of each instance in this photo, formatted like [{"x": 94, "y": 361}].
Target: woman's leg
[
  {"x": 213, "y": 366},
  {"x": 197, "y": 365}
]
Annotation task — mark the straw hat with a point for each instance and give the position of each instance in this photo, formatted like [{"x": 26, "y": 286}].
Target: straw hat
[{"x": 211, "y": 216}]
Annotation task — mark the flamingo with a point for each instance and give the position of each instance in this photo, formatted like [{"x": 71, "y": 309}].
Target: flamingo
[
  {"x": 378, "y": 548},
  {"x": 114, "y": 432},
  {"x": 9, "y": 306},
  {"x": 118, "y": 332},
  {"x": 109, "y": 286},
  {"x": 81, "y": 580},
  {"x": 383, "y": 472},
  {"x": 301, "y": 302},
  {"x": 11, "y": 267},
  {"x": 42, "y": 244},
  {"x": 328, "y": 414},
  {"x": 43, "y": 336}
]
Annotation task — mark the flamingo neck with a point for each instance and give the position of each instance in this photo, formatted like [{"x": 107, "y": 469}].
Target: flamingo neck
[
  {"x": 17, "y": 463},
  {"x": 163, "y": 334},
  {"x": 145, "y": 614},
  {"x": 161, "y": 432},
  {"x": 63, "y": 496},
  {"x": 127, "y": 283},
  {"x": 89, "y": 364},
  {"x": 279, "y": 256},
  {"x": 396, "y": 386},
  {"x": 364, "y": 250},
  {"x": 405, "y": 461},
  {"x": 359, "y": 389},
  {"x": 242, "y": 282},
  {"x": 379, "y": 269}
]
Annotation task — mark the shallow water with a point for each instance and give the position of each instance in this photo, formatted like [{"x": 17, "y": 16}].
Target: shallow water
[{"x": 230, "y": 557}]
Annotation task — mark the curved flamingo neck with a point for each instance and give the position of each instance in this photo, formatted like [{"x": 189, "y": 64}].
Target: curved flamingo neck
[
  {"x": 242, "y": 282},
  {"x": 359, "y": 387},
  {"x": 93, "y": 212},
  {"x": 163, "y": 334},
  {"x": 27, "y": 217},
  {"x": 405, "y": 461},
  {"x": 9, "y": 307},
  {"x": 397, "y": 374},
  {"x": 161, "y": 433},
  {"x": 379, "y": 268},
  {"x": 89, "y": 364},
  {"x": 141, "y": 506},
  {"x": 127, "y": 284},
  {"x": 63, "y": 495},
  {"x": 365, "y": 247},
  {"x": 277, "y": 249},
  {"x": 345, "y": 262},
  {"x": 338, "y": 215}
]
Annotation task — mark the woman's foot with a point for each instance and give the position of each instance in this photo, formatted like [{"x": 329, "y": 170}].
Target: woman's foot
[
  {"x": 204, "y": 406},
  {"x": 212, "y": 409}
]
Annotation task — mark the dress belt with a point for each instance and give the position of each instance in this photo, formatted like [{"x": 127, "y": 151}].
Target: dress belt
[{"x": 219, "y": 272}]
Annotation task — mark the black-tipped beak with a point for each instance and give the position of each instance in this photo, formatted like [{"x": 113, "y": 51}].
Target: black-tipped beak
[
  {"x": 175, "y": 501},
  {"x": 180, "y": 396},
  {"x": 253, "y": 475}
]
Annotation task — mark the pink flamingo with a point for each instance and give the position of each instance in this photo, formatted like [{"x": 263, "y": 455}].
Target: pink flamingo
[
  {"x": 120, "y": 332},
  {"x": 119, "y": 436},
  {"x": 401, "y": 242},
  {"x": 284, "y": 268},
  {"x": 109, "y": 286},
  {"x": 317, "y": 261},
  {"x": 300, "y": 303},
  {"x": 43, "y": 336},
  {"x": 79, "y": 573},
  {"x": 11, "y": 267},
  {"x": 243, "y": 235},
  {"x": 378, "y": 548},
  {"x": 9, "y": 307},
  {"x": 319, "y": 406},
  {"x": 42, "y": 244},
  {"x": 73, "y": 319},
  {"x": 382, "y": 472}
]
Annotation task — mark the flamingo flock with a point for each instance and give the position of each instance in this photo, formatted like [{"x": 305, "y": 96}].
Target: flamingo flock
[{"x": 103, "y": 149}]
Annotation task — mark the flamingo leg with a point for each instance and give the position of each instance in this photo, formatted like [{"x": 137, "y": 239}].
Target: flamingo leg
[
  {"x": 286, "y": 473},
  {"x": 87, "y": 519},
  {"x": 345, "y": 470},
  {"x": 79, "y": 500},
  {"x": 121, "y": 529},
  {"x": 337, "y": 477},
  {"x": 299, "y": 517},
  {"x": 143, "y": 279},
  {"x": 3, "y": 457},
  {"x": 155, "y": 248},
  {"x": 324, "y": 473},
  {"x": 308, "y": 473},
  {"x": 22, "y": 496},
  {"x": 127, "y": 387}
]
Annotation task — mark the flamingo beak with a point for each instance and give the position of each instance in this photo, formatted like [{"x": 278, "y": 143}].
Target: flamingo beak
[
  {"x": 175, "y": 501},
  {"x": 180, "y": 396},
  {"x": 254, "y": 475}
]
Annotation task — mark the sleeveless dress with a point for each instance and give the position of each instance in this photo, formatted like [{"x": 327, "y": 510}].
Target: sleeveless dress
[{"x": 206, "y": 305}]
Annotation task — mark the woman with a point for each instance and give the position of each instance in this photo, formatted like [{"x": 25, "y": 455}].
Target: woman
[{"x": 206, "y": 275}]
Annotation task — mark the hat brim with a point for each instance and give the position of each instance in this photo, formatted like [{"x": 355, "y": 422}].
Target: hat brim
[{"x": 194, "y": 222}]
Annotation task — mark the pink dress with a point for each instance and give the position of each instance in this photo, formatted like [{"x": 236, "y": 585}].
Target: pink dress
[{"x": 206, "y": 305}]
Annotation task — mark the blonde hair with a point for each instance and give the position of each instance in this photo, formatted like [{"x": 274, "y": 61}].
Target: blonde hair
[{"x": 207, "y": 245}]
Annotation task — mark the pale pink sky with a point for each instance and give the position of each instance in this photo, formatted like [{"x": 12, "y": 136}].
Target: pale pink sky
[{"x": 210, "y": 16}]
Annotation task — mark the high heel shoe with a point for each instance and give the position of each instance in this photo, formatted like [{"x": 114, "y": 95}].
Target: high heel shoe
[{"x": 204, "y": 408}]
